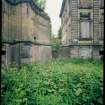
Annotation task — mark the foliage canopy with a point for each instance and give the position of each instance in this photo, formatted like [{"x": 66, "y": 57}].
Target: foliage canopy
[{"x": 40, "y": 3}]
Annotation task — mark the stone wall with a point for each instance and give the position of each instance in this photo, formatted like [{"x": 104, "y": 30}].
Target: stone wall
[
  {"x": 80, "y": 52},
  {"x": 64, "y": 52},
  {"x": 22, "y": 23}
]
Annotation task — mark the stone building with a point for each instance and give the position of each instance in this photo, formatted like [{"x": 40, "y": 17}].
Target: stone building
[
  {"x": 23, "y": 21},
  {"x": 82, "y": 25}
]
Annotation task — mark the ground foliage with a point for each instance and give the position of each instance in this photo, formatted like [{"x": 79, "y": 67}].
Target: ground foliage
[{"x": 56, "y": 82}]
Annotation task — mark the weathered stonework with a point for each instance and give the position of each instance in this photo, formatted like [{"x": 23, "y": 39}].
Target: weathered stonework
[
  {"x": 22, "y": 20},
  {"x": 82, "y": 26}
]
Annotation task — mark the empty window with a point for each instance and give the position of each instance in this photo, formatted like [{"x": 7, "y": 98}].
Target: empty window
[
  {"x": 3, "y": 50},
  {"x": 84, "y": 16}
]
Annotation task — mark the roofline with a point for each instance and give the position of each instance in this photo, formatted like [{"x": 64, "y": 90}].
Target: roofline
[
  {"x": 34, "y": 7},
  {"x": 62, "y": 8}
]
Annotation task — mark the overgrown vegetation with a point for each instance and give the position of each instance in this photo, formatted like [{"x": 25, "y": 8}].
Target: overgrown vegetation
[
  {"x": 56, "y": 82},
  {"x": 55, "y": 47},
  {"x": 60, "y": 33},
  {"x": 40, "y": 3}
]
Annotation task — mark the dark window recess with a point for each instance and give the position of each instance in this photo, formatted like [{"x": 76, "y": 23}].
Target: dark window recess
[
  {"x": 35, "y": 38},
  {"x": 3, "y": 52},
  {"x": 85, "y": 16},
  {"x": 102, "y": 17},
  {"x": 103, "y": 14},
  {"x": 101, "y": 52}
]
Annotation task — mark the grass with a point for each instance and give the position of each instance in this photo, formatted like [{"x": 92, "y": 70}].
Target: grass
[{"x": 56, "y": 82}]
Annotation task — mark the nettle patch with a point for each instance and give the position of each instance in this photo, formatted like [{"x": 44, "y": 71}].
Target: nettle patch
[{"x": 56, "y": 82}]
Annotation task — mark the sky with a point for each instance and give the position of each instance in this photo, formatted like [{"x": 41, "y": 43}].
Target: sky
[{"x": 53, "y": 10}]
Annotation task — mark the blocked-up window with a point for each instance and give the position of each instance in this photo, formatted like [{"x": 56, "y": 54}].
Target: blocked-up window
[
  {"x": 85, "y": 18},
  {"x": 85, "y": 52},
  {"x": 26, "y": 51},
  {"x": 84, "y": 29}
]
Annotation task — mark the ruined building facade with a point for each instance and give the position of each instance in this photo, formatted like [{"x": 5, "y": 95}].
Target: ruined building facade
[
  {"x": 82, "y": 25},
  {"x": 23, "y": 20}
]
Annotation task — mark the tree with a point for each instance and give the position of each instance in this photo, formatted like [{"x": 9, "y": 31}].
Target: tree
[
  {"x": 55, "y": 47},
  {"x": 60, "y": 33},
  {"x": 40, "y": 3}
]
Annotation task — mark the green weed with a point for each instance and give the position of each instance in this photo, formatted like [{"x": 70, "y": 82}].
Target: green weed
[{"x": 56, "y": 82}]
